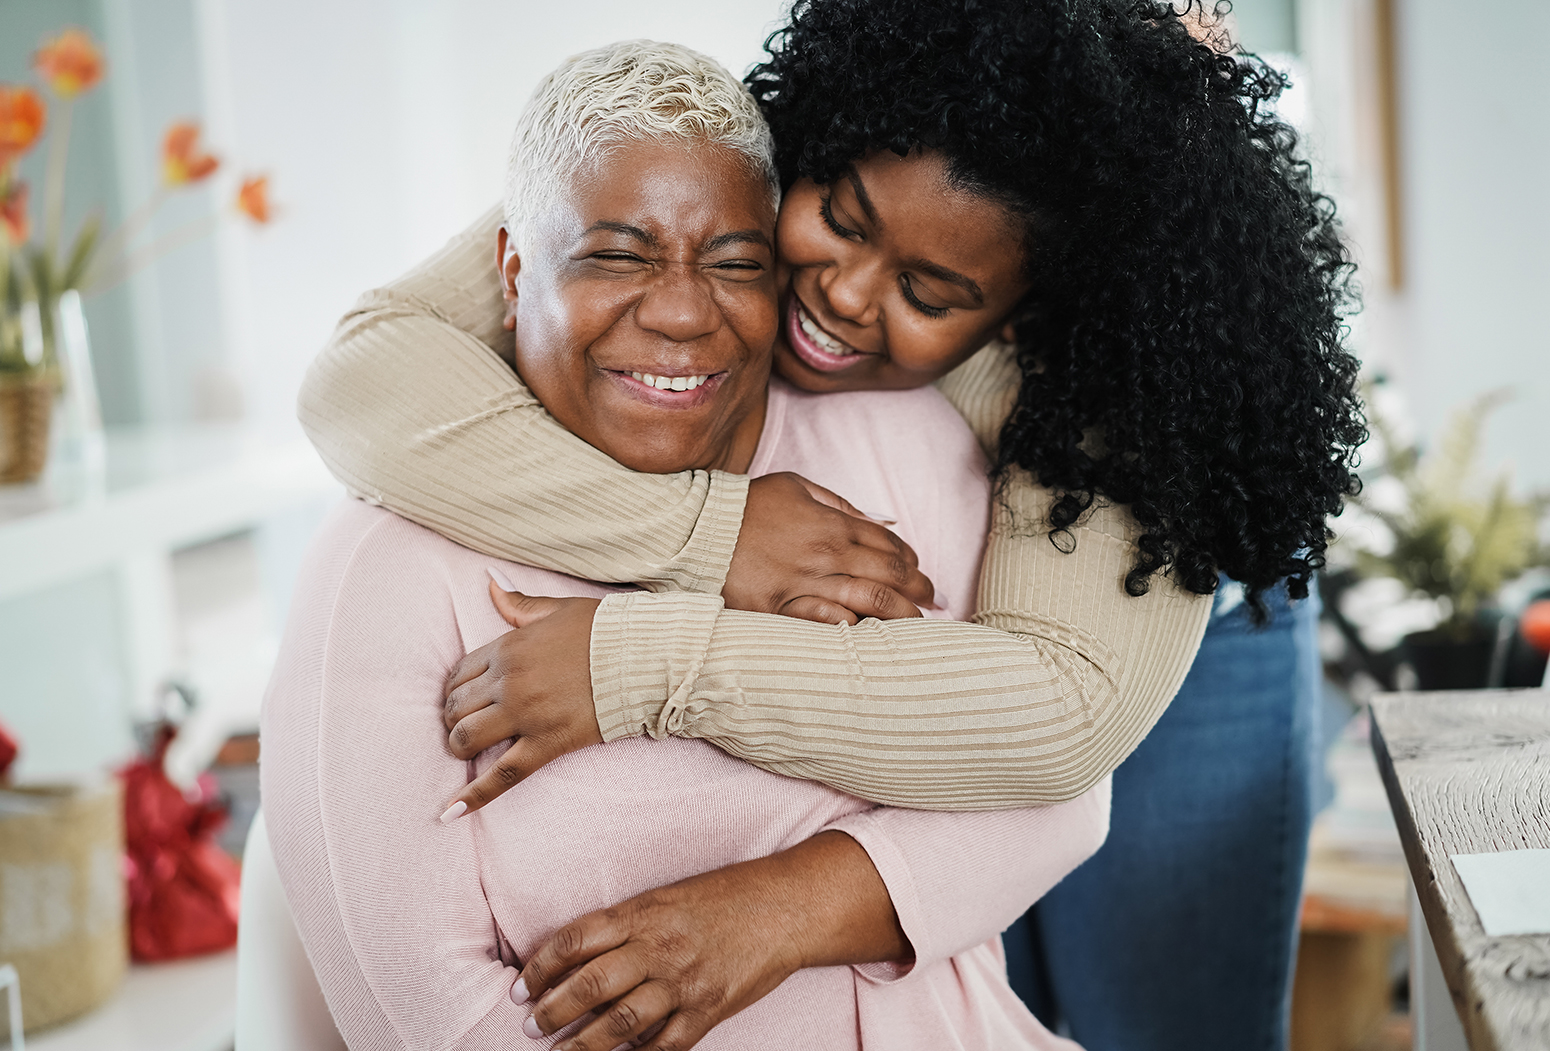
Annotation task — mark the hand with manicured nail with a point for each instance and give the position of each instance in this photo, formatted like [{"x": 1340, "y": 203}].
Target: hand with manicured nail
[
  {"x": 805, "y": 552},
  {"x": 534, "y": 683}
]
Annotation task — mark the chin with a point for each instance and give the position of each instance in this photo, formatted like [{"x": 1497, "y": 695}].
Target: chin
[{"x": 657, "y": 460}]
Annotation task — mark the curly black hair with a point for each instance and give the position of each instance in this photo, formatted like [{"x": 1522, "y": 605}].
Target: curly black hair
[{"x": 1181, "y": 348}]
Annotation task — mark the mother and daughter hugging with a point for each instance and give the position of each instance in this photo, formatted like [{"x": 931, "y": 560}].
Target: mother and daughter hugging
[{"x": 922, "y": 388}]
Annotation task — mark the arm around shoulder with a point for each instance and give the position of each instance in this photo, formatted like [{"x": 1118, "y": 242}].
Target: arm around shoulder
[{"x": 1056, "y": 682}]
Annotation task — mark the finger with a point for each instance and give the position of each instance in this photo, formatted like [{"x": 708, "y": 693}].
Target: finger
[
  {"x": 470, "y": 667},
  {"x": 625, "y": 1021},
  {"x": 829, "y": 498},
  {"x": 517, "y": 609},
  {"x": 882, "y": 567},
  {"x": 867, "y": 598},
  {"x": 468, "y": 697},
  {"x": 481, "y": 729},
  {"x": 682, "y": 1031},
  {"x": 514, "y": 766},
  {"x": 818, "y": 610},
  {"x": 870, "y": 534},
  {"x": 578, "y": 942}
]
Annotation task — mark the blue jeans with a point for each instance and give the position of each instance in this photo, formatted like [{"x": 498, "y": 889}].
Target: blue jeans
[{"x": 1181, "y": 931}]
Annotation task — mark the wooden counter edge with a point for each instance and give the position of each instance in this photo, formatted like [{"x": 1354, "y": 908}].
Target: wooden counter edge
[{"x": 1449, "y": 954}]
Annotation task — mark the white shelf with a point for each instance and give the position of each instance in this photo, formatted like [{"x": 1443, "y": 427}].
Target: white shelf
[
  {"x": 164, "y": 488},
  {"x": 189, "y": 1005}
]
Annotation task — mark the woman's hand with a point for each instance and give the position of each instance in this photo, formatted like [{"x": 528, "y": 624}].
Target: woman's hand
[
  {"x": 805, "y": 552},
  {"x": 690, "y": 955},
  {"x": 533, "y": 683}
]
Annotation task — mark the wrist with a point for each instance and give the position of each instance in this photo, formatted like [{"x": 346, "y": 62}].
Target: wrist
[{"x": 839, "y": 910}]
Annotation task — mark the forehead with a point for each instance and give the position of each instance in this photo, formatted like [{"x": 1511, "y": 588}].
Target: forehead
[
  {"x": 926, "y": 216},
  {"x": 679, "y": 189}
]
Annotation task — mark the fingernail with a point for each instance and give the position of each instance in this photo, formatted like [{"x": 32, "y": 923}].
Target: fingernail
[
  {"x": 936, "y": 601},
  {"x": 453, "y": 812},
  {"x": 519, "y": 992},
  {"x": 501, "y": 580},
  {"x": 530, "y": 1027},
  {"x": 881, "y": 519}
]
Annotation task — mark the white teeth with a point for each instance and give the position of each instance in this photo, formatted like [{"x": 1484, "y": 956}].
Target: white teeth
[
  {"x": 679, "y": 383},
  {"x": 820, "y": 337}
]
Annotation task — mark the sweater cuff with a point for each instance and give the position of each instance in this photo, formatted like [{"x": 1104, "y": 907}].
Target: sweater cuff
[
  {"x": 647, "y": 652},
  {"x": 708, "y": 555},
  {"x": 895, "y": 872}
]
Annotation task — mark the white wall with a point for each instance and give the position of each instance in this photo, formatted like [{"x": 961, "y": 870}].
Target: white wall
[
  {"x": 1475, "y": 139},
  {"x": 1475, "y": 123},
  {"x": 385, "y": 125}
]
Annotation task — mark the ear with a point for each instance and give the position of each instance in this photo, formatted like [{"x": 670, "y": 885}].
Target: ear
[
  {"x": 1009, "y": 333},
  {"x": 507, "y": 264}
]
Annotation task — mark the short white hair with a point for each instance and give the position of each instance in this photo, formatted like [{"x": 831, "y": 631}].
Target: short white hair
[{"x": 632, "y": 90}]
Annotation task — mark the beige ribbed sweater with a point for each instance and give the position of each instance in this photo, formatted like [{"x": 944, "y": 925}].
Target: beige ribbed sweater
[{"x": 414, "y": 405}]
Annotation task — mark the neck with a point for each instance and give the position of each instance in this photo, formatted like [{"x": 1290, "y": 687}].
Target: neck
[{"x": 737, "y": 456}]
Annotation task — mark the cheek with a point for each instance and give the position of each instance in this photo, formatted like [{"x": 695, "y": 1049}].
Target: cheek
[
  {"x": 752, "y": 312},
  {"x": 933, "y": 347},
  {"x": 801, "y": 239}
]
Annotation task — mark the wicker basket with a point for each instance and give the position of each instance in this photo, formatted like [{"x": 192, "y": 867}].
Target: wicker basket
[
  {"x": 25, "y": 408},
  {"x": 62, "y": 898}
]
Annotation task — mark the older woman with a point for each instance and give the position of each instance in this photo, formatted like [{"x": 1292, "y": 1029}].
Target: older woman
[{"x": 639, "y": 247}]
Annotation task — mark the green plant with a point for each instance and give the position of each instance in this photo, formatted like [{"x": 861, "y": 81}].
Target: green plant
[{"x": 1458, "y": 537}]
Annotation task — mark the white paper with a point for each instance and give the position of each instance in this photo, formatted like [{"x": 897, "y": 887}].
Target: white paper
[{"x": 1510, "y": 890}]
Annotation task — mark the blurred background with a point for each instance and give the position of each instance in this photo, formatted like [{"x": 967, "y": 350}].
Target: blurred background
[{"x": 147, "y": 571}]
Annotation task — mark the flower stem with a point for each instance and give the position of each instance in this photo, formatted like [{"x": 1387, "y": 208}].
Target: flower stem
[
  {"x": 130, "y": 265},
  {"x": 54, "y": 182},
  {"x": 117, "y": 242}
]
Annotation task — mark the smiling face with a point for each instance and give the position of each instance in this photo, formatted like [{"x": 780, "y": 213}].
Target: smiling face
[
  {"x": 644, "y": 306},
  {"x": 892, "y": 276}
]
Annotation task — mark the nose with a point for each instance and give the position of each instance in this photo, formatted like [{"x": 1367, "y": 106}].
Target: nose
[
  {"x": 678, "y": 304},
  {"x": 849, "y": 286}
]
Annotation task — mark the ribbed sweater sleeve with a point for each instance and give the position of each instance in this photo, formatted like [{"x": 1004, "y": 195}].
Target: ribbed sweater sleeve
[
  {"x": 1060, "y": 677},
  {"x": 414, "y": 405}
]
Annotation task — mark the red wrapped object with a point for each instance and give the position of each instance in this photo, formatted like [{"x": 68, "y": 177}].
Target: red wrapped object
[
  {"x": 8, "y": 751},
  {"x": 183, "y": 889}
]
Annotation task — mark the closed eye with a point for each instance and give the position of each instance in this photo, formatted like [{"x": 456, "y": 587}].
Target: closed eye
[
  {"x": 826, "y": 212},
  {"x": 913, "y": 300}
]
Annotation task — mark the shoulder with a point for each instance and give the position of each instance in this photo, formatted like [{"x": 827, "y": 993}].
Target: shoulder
[
  {"x": 984, "y": 389},
  {"x": 901, "y": 455},
  {"x": 918, "y": 427}
]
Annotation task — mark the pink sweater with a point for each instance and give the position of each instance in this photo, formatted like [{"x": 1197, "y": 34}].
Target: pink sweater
[{"x": 414, "y": 928}]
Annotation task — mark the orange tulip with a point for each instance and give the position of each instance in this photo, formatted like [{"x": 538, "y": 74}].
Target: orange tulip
[
  {"x": 181, "y": 163},
  {"x": 70, "y": 63},
  {"x": 13, "y": 213},
  {"x": 21, "y": 121},
  {"x": 253, "y": 199}
]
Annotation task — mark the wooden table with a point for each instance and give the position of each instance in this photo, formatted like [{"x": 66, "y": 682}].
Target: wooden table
[{"x": 1469, "y": 773}]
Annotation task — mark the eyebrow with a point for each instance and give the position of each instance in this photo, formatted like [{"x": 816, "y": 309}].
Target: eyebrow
[
  {"x": 737, "y": 237},
  {"x": 646, "y": 237},
  {"x": 925, "y": 266},
  {"x": 643, "y": 236},
  {"x": 952, "y": 277}
]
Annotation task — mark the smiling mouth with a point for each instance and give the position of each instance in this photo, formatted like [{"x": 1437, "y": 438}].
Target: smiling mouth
[
  {"x": 678, "y": 383},
  {"x": 815, "y": 346},
  {"x": 670, "y": 392}
]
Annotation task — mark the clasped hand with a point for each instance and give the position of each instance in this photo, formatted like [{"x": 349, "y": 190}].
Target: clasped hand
[{"x": 802, "y": 551}]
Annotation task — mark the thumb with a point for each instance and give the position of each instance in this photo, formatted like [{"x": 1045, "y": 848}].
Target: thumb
[{"x": 515, "y": 608}]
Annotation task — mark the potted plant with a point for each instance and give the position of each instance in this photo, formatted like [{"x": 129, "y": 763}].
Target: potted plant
[
  {"x": 1447, "y": 533},
  {"x": 43, "y": 276}
]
